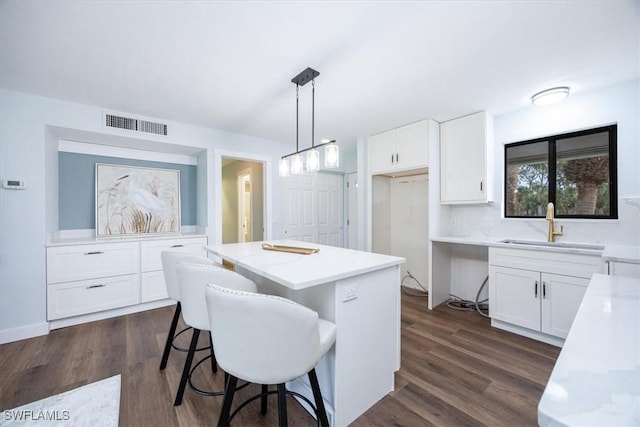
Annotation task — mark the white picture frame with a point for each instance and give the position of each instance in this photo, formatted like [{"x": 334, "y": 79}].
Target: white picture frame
[{"x": 135, "y": 200}]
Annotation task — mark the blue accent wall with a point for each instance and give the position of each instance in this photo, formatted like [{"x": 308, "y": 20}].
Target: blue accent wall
[{"x": 76, "y": 188}]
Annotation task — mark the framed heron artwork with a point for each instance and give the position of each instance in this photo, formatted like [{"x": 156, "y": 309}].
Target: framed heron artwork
[{"x": 132, "y": 200}]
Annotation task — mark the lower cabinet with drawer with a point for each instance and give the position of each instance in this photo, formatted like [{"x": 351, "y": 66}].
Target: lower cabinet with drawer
[
  {"x": 93, "y": 277},
  {"x": 536, "y": 293},
  {"x": 152, "y": 285},
  {"x": 88, "y": 296}
]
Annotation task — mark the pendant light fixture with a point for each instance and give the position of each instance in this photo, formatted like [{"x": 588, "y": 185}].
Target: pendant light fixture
[{"x": 293, "y": 163}]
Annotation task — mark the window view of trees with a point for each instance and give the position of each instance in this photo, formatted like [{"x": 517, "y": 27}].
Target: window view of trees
[
  {"x": 572, "y": 171},
  {"x": 582, "y": 186}
]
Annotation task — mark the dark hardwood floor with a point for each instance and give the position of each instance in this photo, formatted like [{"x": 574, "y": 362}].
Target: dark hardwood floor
[{"x": 456, "y": 370}]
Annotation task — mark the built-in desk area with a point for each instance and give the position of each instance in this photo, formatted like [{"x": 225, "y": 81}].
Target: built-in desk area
[{"x": 359, "y": 292}]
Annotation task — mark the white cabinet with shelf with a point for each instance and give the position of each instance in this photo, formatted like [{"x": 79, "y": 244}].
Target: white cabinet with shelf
[
  {"x": 537, "y": 293},
  {"x": 466, "y": 154},
  {"x": 90, "y": 277},
  {"x": 399, "y": 149}
]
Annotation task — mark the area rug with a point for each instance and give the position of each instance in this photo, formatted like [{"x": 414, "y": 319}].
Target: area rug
[{"x": 95, "y": 405}]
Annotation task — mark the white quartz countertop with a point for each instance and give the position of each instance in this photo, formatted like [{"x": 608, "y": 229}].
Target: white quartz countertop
[
  {"x": 298, "y": 271},
  {"x": 630, "y": 254},
  {"x": 596, "y": 379},
  {"x": 619, "y": 253}
]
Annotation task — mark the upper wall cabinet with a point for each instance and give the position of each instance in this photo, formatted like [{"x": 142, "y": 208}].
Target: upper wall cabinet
[
  {"x": 466, "y": 153},
  {"x": 399, "y": 149}
]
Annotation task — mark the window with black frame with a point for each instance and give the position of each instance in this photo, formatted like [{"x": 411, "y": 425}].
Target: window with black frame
[{"x": 575, "y": 171}]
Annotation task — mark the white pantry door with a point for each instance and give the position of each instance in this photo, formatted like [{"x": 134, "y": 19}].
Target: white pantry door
[{"x": 314, "y": 208}]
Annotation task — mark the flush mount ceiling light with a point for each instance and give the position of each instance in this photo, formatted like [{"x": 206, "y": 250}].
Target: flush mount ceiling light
[
  {"x": 550, "y": 96},
  {"x": 293, "y": 163}
]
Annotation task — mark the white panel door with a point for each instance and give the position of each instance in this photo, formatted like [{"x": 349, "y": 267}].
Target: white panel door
[
  {"x": 314, "y": 208},
  {"x": 300, "y": 210},
  {"x": 330, "y": 209},
  {"x": 352, "y": 211}
]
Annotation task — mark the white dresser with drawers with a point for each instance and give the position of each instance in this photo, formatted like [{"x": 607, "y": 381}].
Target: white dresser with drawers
[{"x": 89, "y": 279}]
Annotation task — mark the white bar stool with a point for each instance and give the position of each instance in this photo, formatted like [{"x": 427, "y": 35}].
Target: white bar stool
[
  {"x": 169, "y": 261},
  {"x": 193, "y": 280},
  {"x": 265, "y": 339}
]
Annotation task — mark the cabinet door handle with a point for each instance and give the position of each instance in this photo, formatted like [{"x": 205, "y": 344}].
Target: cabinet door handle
[
  {"x": 396, "y": 157},
  {"x": 544, "y": 289},
  {"x": 392, "y": 159},
  {"x": 95, "y": 286},
  {"x": 536, "y": 289},
  {"x": 177, "y": 246},
  {"x": 480, "y": 186},
  {"x": 94, "y": 253}
]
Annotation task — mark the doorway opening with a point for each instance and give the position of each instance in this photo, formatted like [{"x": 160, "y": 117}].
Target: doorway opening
[
  {"x": 245, "y": 215},
  {"x": 242, "y": 201}
]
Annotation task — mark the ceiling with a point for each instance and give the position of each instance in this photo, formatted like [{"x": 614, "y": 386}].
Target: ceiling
[{"x": 228, "y": 64}]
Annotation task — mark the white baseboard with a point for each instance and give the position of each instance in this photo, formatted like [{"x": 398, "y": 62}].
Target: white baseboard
[
  {"x": 107, "y": 314},
  {"x": 539, "y": 336},
  {"x": 38, "y": 329},
  {"x": 23, "y": 332}
]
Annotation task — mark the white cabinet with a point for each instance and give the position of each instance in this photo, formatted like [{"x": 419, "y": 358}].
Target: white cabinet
[
  {"x": 78, "y": 262},
  {"x": 538, "y": 301},
  {"x": 88, "y": 296},
  {"x": 623, "y": 269},
  {"x": 466, "y": 154},
  {"x": 152, "y": 286},
  {"x": 537, "y": 291},
  {"x": 85, "y": 278},
  {"x": 399, "y": 149}
]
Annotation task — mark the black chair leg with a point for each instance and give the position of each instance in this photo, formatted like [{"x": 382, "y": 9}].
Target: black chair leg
[
  {"x": 282, "y": 406},
  {"x": 170, "y": 336},
  {"x": 263, "y": 399},
  {"x": 187, "y": 367},
  {"x": 317, "y": 396},
  {"x": 214, "y": 362},
  {"x": 229, "y": 391}
]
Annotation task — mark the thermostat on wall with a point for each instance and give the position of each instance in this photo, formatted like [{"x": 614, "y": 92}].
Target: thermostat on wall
[{"x": 13, "y": 184}]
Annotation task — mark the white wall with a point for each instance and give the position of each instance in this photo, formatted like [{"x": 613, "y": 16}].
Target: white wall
[
  {"x": 29, "y": 129},
  {"x": 617, "y": 104}
]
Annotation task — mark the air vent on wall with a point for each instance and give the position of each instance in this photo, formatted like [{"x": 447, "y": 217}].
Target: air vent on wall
[{"x": 137, "y": 125}]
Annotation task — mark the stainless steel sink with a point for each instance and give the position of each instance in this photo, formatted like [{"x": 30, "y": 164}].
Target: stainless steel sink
[{"x": 583, "y": 246}]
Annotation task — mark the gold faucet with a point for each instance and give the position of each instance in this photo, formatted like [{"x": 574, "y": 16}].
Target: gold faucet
[{"x": 551, "y": 235}]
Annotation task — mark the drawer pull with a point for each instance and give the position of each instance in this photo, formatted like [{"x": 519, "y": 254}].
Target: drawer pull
[
  {"x": 96, "y": 286},
  {"x": 94, "y": 253},
  {"x": 177, "y": 246}
]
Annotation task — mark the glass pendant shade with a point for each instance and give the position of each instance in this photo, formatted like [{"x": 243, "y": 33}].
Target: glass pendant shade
[
  {"x": 284, "y": 166},
  {"x": 331, "y": 156},
  {"x": 313, "y": 160},
  {"x": 297, "y": 167}
]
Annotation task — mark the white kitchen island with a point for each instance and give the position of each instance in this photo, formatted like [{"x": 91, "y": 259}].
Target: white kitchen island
[{"x": 360, "y": 292}]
